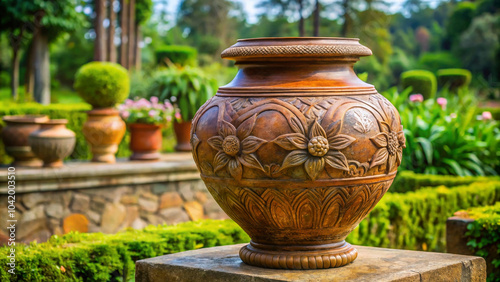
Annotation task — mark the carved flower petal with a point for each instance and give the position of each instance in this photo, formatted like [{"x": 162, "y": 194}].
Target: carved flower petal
[
  {"x": 399, "y": 156},
  {"x": 340, "y": 141},
  {"x": 380, "y": 140},
  {"x": 215, "y": 142},
  {"x": 220, "y": 161},
  {"x": 251, "y": 144},
  {"x": 295, "y": 158},
  {"x": 292, "y": 141},
  {"x": 316, "y": 130},
  {"x": 314, "y": 166},
  {"x": 380, "y": 157},
  {"x": 226, "y": 129},
  {"x": 297, "y": 126},
  {"x": 337, "y": 160},
  {"x": 250, "y": 160},
  {"x": 402, "y": 139},
  {"x": 246, "y": 127},
  {"x": 391, "y": 162},
  {"x": 235, "y": 169},
  {"x": 385, "y": 127}
]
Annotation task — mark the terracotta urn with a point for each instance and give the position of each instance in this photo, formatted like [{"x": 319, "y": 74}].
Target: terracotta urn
[
  {"x": 52, "y": 142},
  {"x": 297, "y": 149},
  {"x": 104, "y": 130},
  {"x": 15, "y": 138},
  {"x": 182, "y": 133},
  {"x": 145, "y": 141}
]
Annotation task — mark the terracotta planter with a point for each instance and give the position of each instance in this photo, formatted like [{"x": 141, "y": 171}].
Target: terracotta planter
[
  {"x": 145, "y": 141},
  {"x": 52, "y": 142},
  {"x": 104, "y": 130},
  {"x": 15, "y": 138},
  {"x": 182, "y": 133},
  {"x": 296, "y": 149}
]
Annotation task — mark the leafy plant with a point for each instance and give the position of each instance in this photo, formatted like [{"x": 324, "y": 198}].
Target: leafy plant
[
  {"x": 178, "y": 55},
  {"x": 148, "y": 112},
  {"x": 187, "y": 88},
  {"x": 454, "y": 78},
  {"x": 102, "y": 84}
]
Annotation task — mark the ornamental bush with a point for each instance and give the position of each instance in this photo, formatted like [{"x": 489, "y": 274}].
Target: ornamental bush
[
  {"x": 178, "y": 55},
  {"x": 421, "y": 81},
  {"x": 102, "y": 84},
  {"x": 454, "y": 78}
]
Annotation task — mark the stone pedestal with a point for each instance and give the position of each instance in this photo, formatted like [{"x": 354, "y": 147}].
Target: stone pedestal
[{"x": 372, "y": 264}]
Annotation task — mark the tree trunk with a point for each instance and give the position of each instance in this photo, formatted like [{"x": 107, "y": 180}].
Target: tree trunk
[
  {"x": 100, "y": 42},
  {"x": 29, "y": 78},
  {"x": 138, "y": 38},
  {"x": 131, "y": 37},
  {"x": 124, "y": 33},
  {"x": 316, "y": 19},
  {"x": 301, "y": 21},
  {"x": 347, "y": 19},
  {"x": 111, "y": 33},
  {"x": 41, "y": 70},
  {"x": 14, "y": 79}
]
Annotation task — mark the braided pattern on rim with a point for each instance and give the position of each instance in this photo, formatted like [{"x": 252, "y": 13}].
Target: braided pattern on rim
[
  {"x": 297, "y": 261},
  {"x": 311, "y": 50}
]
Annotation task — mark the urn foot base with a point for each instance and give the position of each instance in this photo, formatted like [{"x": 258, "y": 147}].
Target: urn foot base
[
  {"x": 145, "y": 156},
  {"x": 183, "y": 147},
  {"x": 304, "y": 257},
  {"x": 104, "y": 153}
]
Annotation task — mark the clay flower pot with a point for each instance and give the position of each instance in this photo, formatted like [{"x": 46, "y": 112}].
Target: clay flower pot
[
  {"x": 145, "y": 141},
  {"x": 182, "y": 133},
  {"x": 296, "y": 149},
  {"x": 15, "y": 138},
  {"x": 52, "y": 142},
  {"x": 104, "y": 129}
]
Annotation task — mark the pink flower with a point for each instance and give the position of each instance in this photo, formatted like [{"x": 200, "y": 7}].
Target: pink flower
[
  {"x": 129, "y": 102},
  {"x": 416, "y": 98},
  {"x": 442, "y": 102},
  {"x": 125, "y": 114},
  {"x": 178, "y": 115},
  {"x": 487, "y": 116},
  {"x": 453, "y": 115},
  {"x": 169, "y": 118},
  {"x": 143, "y": 103},
  {"x": 152, "y": 113},
  {"x": 154, "y": 100},
  {"x": 168, "y": 105}
]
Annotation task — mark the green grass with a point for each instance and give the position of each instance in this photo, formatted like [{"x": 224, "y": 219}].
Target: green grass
[{"x": 58, "y": 96}]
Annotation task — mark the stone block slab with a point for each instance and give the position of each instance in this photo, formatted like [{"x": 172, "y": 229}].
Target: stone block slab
[{"x": 373, "y": 264}]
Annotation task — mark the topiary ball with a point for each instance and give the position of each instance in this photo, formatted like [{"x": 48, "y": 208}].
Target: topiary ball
[
  {"x": 102, "y": 84},
  {"x": 454, "y": 78},
  {"x": 421, "y": 81}
]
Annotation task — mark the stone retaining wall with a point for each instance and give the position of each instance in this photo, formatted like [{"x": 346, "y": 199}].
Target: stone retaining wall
[{"x": 106, "y": 197}]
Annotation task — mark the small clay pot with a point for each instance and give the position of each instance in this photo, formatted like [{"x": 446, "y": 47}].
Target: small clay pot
[
  {"x": 183, "y": 134},
  {"x": 15, "y": 138},
  {"x": 145, "y": 141},
  {"x": 52, "y": 142},
  {"x": 104, "y": 130}
]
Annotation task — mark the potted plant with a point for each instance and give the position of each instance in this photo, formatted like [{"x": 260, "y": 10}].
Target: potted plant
[
  {"x": 103, "y": 85},
  {"x": 145, "y": 121},
  {"x": 188, "y": 89}
]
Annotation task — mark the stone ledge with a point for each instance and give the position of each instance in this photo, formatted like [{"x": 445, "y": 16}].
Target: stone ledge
[
  {"x": 372, "y": 264},
  {"x": 82, "y": 175}
]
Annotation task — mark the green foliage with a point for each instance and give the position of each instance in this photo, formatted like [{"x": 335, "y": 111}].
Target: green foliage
[
  {"x": 484, "y": 237},
  {"x": 4, "y": 79},
  {"x": 421, "y": 81},
  {"x": 187, "y": 88},
  {"x": 407, "y": 181},
  {"x": 139, "y": 83},
  {"x": 417, "y": 220},
  {"x": 143, "y": 11},
  {"x": 454, "y": 78},
  {"x": 102, "y": 257},
  {"x": 102, "y": 84},
  {"x": 438, "y": 60},
  {"x": 178, "y": 55},
  {"x": 76, "y": 116},
  {"x": 460, "y": 19}
]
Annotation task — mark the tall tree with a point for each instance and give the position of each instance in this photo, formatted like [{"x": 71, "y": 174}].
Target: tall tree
[
  {"x": 100, "y": 32},
  {"x": 111, "y": 32},
  {"x": 131, "y": 34},
  {"x": 287, "y": 8},
  {"x": 143, "y": 11},
  {"x": 124, "y": 23},
  {"x": 316, "y": 18}
]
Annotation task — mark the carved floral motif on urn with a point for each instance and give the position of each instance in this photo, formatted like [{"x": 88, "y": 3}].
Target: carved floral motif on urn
[{"x": 296, "y": 149}]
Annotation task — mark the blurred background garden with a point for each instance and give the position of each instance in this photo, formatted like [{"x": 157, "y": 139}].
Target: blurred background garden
[{"x": 437, "y": 61}]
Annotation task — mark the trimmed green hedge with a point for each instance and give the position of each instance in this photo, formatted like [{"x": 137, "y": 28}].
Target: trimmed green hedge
[
  {"x": 179, "y": 55},
  {"x": 407, "y": 181},
  {"x": 454, "y": 78},
  {"x": 76, "y": 116},
  {"x": 100, "y": 257},
  {"x": 421, "y": 81},
  {"x": 484, "y": 234},
  {"x": 417, "y": 220}
]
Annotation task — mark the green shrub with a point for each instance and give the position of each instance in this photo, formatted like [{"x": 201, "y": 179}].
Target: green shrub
[
  {"x": 4, "y": 79},
  {"x": 459, "y": 20},
  {"x": 187, "y": 88},
  {"x": 417, "y": 220},
  {"x": 102, "y": 84},
  {"x": 407, "y": 181},
  {"x": 178, "y": 55},
  {"x": 438, "y": 60},
  {"x": 484, "y": 237},
  {"x": 421, "y": 81},
  {"x": 100, "y": 257},
  {"x": 76, "y": 116},
  {"x": 454, "y": 78}
]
